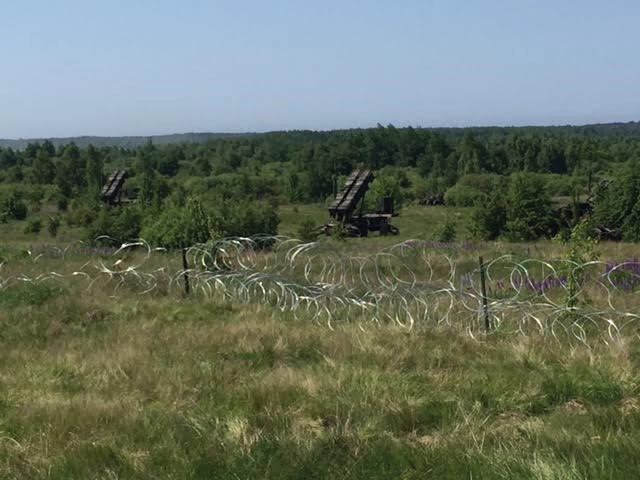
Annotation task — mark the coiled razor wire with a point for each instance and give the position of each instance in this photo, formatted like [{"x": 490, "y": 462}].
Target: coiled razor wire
[{"x": 410, "y": 284}]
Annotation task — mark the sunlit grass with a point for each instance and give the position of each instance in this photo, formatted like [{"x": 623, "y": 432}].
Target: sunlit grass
[
  {"x": 104, "y": 383},
  {"x": 156, "y": 387}
]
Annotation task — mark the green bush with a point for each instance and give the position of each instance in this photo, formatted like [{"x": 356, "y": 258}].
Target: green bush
[
  {"x": 127, "y": 223},
  {"x": 483, "y": 182},
  {"x": 62, "y": 203},
  {"x": 13, "y": 207},
  {"x": 562, "y": 185},
  {"x": 489, "y": 218},
  {"x": 617, "y": 203},
  {"x": 180, "y": 227},
  {"x": 389, "y": 182},
  {"x": 463, "y": 196},
  {"x": 447, "y": 232},
  {"x": 82, "y": 212},
  {"x": 122, "y": 224},
  {"x": 245, "y": 218},
  {"x": 12, "y": 253},
  {"x": 528, "y": 208},
  {"x": 35, "y": 194},
  {"x": 339, "y": 232},
  {"x": 27, "y": 294},
  {"x": 34, "y": 225},
  {"x": 53, "y": 226},
  {"x": 307, "y": 231},
  {"x": 474, "y": 188}
]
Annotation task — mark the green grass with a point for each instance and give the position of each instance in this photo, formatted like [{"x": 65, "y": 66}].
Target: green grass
[
  {"x": 153, "y": 386},
  {"x": 95, "y": 387},
  {"x": 26, "y": 294}
]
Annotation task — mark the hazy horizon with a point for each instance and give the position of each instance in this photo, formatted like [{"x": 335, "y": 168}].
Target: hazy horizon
[
  {"x": 258, "y": 132},
  {"x": 77, "y": 68}
]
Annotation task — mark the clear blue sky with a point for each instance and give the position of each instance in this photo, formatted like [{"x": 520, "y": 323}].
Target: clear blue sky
[{"x": 142, "y": 67}]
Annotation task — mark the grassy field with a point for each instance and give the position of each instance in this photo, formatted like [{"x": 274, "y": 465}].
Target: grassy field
[
  {"x": 158, "y": 386},
  {"x": 414, "y": 222},
  {"x": 96, "y": 387}
]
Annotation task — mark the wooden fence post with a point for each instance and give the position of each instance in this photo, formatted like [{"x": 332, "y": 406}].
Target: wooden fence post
[
  {"x": 485, "y": 305},
  {"x": 185, "y": 267}
]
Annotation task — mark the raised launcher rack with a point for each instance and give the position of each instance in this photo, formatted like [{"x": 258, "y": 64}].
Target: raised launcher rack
[
  {"x": 112, "y": 190},
  {"x": 349, "y": 201}
]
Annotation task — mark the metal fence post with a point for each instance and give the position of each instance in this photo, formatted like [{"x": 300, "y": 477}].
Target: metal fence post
[
  {"x": 185, "y": 267},
  {"x": 483, "y": 286}
]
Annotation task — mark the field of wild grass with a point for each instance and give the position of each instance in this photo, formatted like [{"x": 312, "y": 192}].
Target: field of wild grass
[
  {"x": 97, "y": 386},
  {"x": 108, "y": 383}
]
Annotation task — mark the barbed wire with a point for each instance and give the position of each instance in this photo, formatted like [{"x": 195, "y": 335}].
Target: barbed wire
[{"x": 410, "y": 284}]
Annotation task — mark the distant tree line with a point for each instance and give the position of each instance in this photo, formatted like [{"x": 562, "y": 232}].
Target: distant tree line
[{"x": 508, "y": 174}]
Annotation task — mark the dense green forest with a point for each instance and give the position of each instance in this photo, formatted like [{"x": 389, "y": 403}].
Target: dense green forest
[{"x": 525, "y": 183}]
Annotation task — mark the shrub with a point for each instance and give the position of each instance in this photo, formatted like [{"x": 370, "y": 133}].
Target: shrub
[
  {"x": 34, "y": 225},
  {"x": 35, "y": 194},
  {"x": 528, "y": 208},
  {"x": 447, "y": 232},
  {"x": 53, "y": 226},
  {"x": 472, "y": 189},
  {"x": 483, "y": 182},
  {"x": 122, "y": 224},
  {"x": 307, "y": 231},
  {"x": 101, "y": 225},
  {"x": 582, "y": 249},
  {"x": 463, "y": 196},
  {"x": 617, "y": 203},
  {"x": 127, "y": 223},
  {"x": 13, "y": 207},
  {"x": 339, "y": 232},
  {"x": 180, "y": 227},
  {"x": 245, "y": 218},
  {"x": 27, "y": 294},
  {"x": 389, "y": 182},
  {"x": 62, "y": 203},
  {"x": 83, "y": 212},
  {"x": 562, "y": 185},
  {"x": 489, "y": 218}
]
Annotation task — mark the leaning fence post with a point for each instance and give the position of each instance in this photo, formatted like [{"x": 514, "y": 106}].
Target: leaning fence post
[
  {"x": 483, "y": 286},
  {"x": 185, "y": 274}
]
